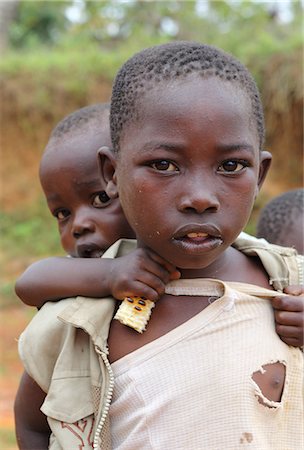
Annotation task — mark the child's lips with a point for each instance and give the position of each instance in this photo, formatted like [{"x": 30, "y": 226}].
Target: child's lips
[{"x": 197, "y": 238}]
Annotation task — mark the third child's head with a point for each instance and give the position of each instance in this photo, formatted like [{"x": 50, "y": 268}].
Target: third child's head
[
  {"x": 281, "y": 220},
  {"x": 187, "y": 130},
  {"x": 88, "y": 220}
]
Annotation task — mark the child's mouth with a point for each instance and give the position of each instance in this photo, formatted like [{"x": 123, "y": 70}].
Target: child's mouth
[
  {"x": 89, "y": 251},
  {"x": 197, "y": 236},
  {"x": 198, "y": 241}
]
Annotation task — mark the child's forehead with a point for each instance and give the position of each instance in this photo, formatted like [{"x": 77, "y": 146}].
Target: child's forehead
[
  {"x": 196, "y": 100},
  {"x": 73, "y": 153},
  {"x": 198, "y": 110},
  {"x": 193, "y": 91},
  {"x": 82, "y": 144},
  {"x": 171, "y": 63}
]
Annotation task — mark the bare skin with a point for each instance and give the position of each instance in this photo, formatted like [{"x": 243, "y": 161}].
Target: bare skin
[{"x": 32, "y": 429}]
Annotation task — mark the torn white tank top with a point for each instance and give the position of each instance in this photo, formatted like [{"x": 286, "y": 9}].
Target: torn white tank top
[{"x": 192, "y": 388}]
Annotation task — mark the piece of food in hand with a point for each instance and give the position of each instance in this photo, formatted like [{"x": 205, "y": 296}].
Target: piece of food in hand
[{"x": 135, "y": 312}]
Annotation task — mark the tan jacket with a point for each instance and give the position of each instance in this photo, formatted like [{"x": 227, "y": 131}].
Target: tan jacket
[{"x": 68, "y": 357}]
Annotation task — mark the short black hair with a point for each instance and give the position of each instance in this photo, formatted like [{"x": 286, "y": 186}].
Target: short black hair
[
  {"x": 80, "y": 118},
  {"x": 176, "y": 60},
  {"x": 279, "y": 215}
]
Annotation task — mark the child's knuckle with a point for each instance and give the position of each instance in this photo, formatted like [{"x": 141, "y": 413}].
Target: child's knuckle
[
  {"x": 160, "y": 287},
  {"x": 279, "y": 316}
]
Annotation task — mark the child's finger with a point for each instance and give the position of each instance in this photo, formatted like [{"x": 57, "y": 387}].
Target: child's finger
[
  {"x": 289, "y": 331},
  {"x": 175, "y": 275},
  {"x": 294, "y": 290},
  {"x": 288, "y": 303},
  {"x": 168, "y": 266},
  {"x": 152, "y": 281},
  {"x": 294, "y": 342},
  {"x": 161, "y": 271},
  {"x": 151, "y": 271},
  {"x": 139, "y": 289},
  {"x": 295, "y": 319}
]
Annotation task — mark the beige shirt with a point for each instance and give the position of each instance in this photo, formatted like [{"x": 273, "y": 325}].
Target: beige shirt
[{"x": 192, "y": 388}]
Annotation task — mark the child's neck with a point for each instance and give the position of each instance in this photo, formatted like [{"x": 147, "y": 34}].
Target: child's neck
[
  {"x": 233, "y": 266},
  {"x": 218, "y": 269}
]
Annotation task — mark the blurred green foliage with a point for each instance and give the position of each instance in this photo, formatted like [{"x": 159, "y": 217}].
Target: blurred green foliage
[
  {"x": 29, "y": 232},
  {"x": 29, "y": 235},
  {"x": 38, "y": 22},
  {"x": 251, "y": 30}
]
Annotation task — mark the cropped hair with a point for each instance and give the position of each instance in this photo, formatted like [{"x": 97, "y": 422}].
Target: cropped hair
[
  {"x": 175, "y": 61},
  {"x": 80, "y": 118},
  {"x": 278, "y": 216}
]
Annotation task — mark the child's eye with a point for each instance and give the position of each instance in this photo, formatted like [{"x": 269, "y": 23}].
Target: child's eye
[
  {"x": 233, "y": 166},
  {"x": 164, "y": 166},
  {"x": 61, "y": 214},
  {"x": 100, "y": 199}
]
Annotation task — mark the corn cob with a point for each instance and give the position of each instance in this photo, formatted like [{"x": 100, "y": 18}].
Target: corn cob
[{"x": 135, "y": 312}]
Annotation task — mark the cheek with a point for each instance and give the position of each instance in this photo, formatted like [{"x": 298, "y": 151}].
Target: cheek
[
  {"x": 115, "y": 226},
  {"x": 242, "y": 204},
  {"x": 237, "y": 202},
  {"x": 67, "y": 242},
  {"x": 134, "y": 204},
  {"x": 140, "y": 206}
]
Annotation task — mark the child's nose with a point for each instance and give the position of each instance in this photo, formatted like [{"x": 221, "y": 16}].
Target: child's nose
[
  {"x": 198, "y": 196},
  {"x": 82, "y": 224}
]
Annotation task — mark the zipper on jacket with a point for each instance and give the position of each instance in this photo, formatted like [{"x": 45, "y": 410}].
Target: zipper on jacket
[
  {"x": 108, "y": 399},
  {"x": 300, "y": 268}
]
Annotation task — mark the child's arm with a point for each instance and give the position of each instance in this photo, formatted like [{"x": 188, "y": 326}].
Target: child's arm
[
  {"x": 141, "y": 272},
  {"x": 289, "y": 316},
  {"x": 32, "y": 429}
]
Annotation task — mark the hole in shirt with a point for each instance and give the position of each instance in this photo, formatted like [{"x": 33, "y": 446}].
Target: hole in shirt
[{"x": 270, "y": 379}]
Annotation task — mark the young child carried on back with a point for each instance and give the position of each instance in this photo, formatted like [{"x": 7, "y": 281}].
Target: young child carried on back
[
  {"x": 281, "y": 221},
  {"x": 210, "y": 371},
  {"x": 89, "y": 223}
]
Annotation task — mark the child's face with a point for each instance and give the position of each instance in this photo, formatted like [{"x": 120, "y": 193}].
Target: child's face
[
  {"x": 189, "y": 170},
  {"x": 89, "y": 222}
]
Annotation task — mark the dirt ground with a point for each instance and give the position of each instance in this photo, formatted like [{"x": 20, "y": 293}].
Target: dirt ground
[{"x": 13, "y": 320}]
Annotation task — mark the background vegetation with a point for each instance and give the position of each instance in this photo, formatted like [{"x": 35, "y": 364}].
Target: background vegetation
[{"x": 58, "y": 56}]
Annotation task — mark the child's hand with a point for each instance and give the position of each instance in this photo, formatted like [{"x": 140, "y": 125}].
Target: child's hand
[
  {"x": 289, "y": 316},
  {"x": 140, "y": 273}
]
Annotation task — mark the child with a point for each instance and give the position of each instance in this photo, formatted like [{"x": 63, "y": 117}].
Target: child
[
  {"x": 187, "y": 131},
  {"x": 89, "y": 222},
  {"x": 281, "y": 220}
]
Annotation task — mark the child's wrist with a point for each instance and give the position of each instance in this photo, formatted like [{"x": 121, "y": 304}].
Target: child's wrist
[{"x": 111, "y": 277}]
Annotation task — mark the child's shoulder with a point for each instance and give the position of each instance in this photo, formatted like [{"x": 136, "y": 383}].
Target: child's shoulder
[{"x": 283, "y": 264}]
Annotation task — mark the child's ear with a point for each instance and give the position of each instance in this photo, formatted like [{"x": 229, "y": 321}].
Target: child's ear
[
  {"x": 265, "y": 162},
  {"x": 107, "y": 168}
]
